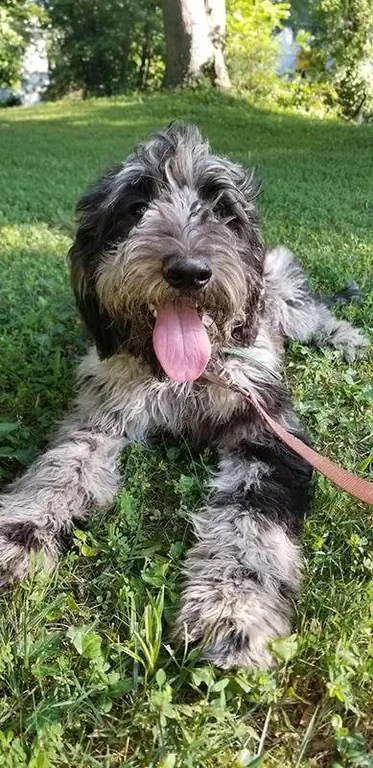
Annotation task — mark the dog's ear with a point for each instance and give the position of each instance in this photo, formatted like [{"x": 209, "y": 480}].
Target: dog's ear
[
  {"x": 245, "y": 333},
  {"x": 252, "y": 251},
  {"x": 248, "y": 186},
  {"x": 95, "y": 224}
]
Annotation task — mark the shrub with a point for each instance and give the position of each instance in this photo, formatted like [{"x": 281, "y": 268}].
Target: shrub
[
  {"x": 309, "y": 98},
  {"x": 251, "y": 46},
  {"x": 345, "y": 33},
  {"x": 13, "y": 41}
]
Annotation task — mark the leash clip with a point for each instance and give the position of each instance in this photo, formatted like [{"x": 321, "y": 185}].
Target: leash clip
[{"x": 223, "y": 378}]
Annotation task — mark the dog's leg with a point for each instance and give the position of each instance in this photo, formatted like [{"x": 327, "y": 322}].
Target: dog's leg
[
  {"x": 76, "y": 474},
  {"x": 301, "y": 315},
  {"x": 244, "y": 572}
]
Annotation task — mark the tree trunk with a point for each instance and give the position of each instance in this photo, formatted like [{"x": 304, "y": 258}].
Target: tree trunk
[
  {"x": 215, "y": 11},
  {"x": 194, "y": 31},
  {"x": 144, "y": 61}
]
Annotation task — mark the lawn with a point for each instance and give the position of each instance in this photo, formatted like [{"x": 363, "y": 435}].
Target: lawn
[{"x": 87, "y": 674}]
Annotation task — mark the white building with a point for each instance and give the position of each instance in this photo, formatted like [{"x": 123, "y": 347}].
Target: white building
[
  {"x": 288, "y": 52},
  {"x": 35, "y": 70},
  {"x": 35, "y": 76}
]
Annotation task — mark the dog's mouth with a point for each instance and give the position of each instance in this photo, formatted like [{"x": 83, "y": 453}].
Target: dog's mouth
[{"x": 180, "y": 340}]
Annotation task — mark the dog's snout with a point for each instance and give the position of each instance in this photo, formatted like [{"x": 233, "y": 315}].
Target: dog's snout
[{"x": 186, "y": 274}]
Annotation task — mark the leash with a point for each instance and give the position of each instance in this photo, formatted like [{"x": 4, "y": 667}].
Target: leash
[{"x": 356, "y": 486}]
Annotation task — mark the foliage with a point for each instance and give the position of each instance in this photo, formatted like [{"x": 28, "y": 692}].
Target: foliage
[
  {"x": 103, "y": 47},
  {"x": 251, "y": 46},
  {"x": 88, "y": 676},
  {"x": 300, "y": 14},
  {"x": 13, "y": 40},
  {"x": 336, "y": 53},
  {"x": 345, "y": 33},
  {"x": 308, "y": 97}
]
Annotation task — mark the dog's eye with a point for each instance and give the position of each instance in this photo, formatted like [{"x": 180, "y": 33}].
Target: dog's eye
[
  {"x": 223, "y": 210},
  {"x": 226, "y": 214},
  {"x": 137, "y": 210}
]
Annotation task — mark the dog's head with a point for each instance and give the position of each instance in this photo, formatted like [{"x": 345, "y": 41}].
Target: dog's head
[{"x": 167, "y": 257}]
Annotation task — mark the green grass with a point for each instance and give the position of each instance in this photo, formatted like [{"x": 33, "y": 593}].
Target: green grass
[{"x": 87, "y": 675}]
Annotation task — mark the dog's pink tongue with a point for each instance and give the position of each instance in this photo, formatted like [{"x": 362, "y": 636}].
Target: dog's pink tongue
[{"x": 180, "y": 342}]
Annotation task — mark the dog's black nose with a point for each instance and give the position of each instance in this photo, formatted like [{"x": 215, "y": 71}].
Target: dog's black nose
[{"x": 192, "y": 274}]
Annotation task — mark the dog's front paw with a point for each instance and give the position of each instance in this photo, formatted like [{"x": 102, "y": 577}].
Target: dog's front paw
[
  {"x": 233, "y": 620},
  {"x": 351, "y": 343},
  {"x": 21, "y": 540}
]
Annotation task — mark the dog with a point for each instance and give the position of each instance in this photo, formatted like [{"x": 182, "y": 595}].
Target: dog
[{"x": 172, "y": 280}]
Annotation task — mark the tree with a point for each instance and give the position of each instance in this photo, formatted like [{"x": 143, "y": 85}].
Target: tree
[
  {"x": 195, "y": 36},
  {"x": 13, "y": 40},
  {"x": 104, "y": 47},
  {"x": 344, "y": 29}
]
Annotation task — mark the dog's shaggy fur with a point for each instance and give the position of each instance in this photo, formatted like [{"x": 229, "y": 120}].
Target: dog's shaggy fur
[{"x": 173, "y": 199}]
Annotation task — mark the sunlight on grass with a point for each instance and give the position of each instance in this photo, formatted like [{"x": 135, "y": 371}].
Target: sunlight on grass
[{"x": 88, "y": 676}]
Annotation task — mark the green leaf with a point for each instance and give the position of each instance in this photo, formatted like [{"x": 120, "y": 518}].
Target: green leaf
[
  {"x": 72, "y": 604},
  {"x": 203, "y": 675},
  {"x": 156, "y": 574},
  {"x": 245, "y": 759},
  {"x": 7, "y": 427},
  {"x": 81, "y": 535},
  {"x": 45, "y": 670},
  {"x": 86, "y": 642},
  {"x": 88, "y": 551},
  {"x": 285, "y": 648},
  {"x": 220, "y": 685},
  {"x": 169, "y": 761},
  {"x": 161, "y": 677}
]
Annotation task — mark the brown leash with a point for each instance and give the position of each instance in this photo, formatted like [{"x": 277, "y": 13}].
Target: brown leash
[{"x": 356, "y": 486}]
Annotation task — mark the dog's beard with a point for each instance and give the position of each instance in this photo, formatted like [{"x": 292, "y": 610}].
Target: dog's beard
[{"x": 183, "y": 328}]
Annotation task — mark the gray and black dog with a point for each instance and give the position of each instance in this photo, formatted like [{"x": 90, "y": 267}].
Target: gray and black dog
[{"x": 170, "y": 275}]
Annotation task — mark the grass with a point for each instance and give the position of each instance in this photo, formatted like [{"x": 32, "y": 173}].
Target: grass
[{"x": 87, "y": 675}]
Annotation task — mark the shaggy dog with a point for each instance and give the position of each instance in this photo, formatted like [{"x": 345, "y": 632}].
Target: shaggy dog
[{"x": 171, "y": 279}]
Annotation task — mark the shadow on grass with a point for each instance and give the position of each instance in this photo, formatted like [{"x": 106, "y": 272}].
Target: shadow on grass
[{"x": 52, "y": 152}]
